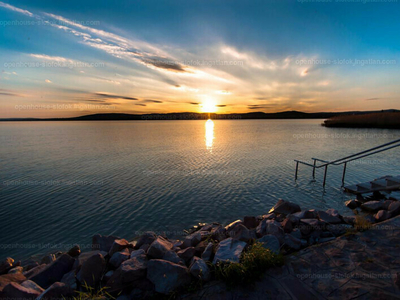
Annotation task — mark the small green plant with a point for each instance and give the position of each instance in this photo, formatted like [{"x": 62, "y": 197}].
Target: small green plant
[
  {"x": 251, "y": 267},
  {"x": 91, "y": 293}
]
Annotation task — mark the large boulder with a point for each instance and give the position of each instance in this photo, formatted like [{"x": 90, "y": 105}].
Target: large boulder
[
  {"x": 146, "y": 239},
  {"x": 372, "y": 206},
  {"x": 119, "y": 257},
  {"x": 240, "y": 232},
  {"x": 208, "y": 252},
  {"x": 250, "y": 222},
  {"x": 292, "y": 242},
  {"x": 270, "y": 242},
  {"x": 85, "y": 256},
  {"x": 382, "y": 215},
  {"x": 187, "y": 254},
  {"x": 218, "y": 233},
  {"x": 74, "y": 251},
  {"x": 70, "y": 280},
  {"x": 159, "y": 247},
  {"x": 92, "y": 270},
  {"x": 191, "y": 240},
  {"x": 57, "y": 290},
  {"x": 118, "y": 246},
  {"x": 14, "y": 290},
  {"x": 200, "y": 270},
  {"x": 29, "y": 284},
  {"x": 7, "y": 278},
  {"x": 54, "y": 271},
  {"x": 34, "y": 271},
  {"x": 285, "y": 207},
  {"x": 173, "y": 257},
  {"x": 306, "y": 214},
  {"x": 103, "y": 242},
  {"x": 130, "y": 271},
  {"x": 136, "y": 253},
  {"x": 394, "y": 208},
  {"x": 328, "y": 218},
  {"x": 229, "y": 250},
  {"x": 167, "y": 276},
  {"x": 352, "y": 204}
]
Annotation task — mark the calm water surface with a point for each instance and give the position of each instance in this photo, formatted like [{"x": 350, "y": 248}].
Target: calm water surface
[{"x": 62, "y": 182}]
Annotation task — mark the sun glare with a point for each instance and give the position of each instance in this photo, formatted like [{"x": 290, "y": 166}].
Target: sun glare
[{"x": 208, "y": 106}]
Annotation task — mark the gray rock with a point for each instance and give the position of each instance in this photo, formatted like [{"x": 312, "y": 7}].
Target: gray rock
[
  {"x": 14, "y": 290},
  {"x": 218, "y": 233},
  {"x": 292, "y": 242},
  {"x": 84, "y": 257},
  {"x": 200, "y": 270},
  {"x": 250, "y": 222},
  {"x": 239, "y": 232},
  {"x": 382, "y": 215},
  {"x": 136, "y": 253},
  {"x": 229, "y": 250},
  {"x": 285, "y": 207},
  {"x": 349, "y": 219},
  {"x": 118, "y": 258},
  {"x": 130, "y": 271},
  {"x": 232, "y": 225},
  {"x": 173, "y": 257},
  {"x": 146, "y": 238},
  {"x": 159, "y": 247},
  {"x": 187, "y": 254},
  {"x": 372, "y": 206},
  {"x": 333, "y": 212},
  {"x": 69, "y": 279},
  {"x": 296, "y": 233},
  {"x": 270, "y": 241},
  {"x": 324, "y": 240},
  {"x": 306, "y": 214},
  {"x": 167, "y": 276},
  {"x": 74, "y": 251},
  {"x": 394, "y": 208},
  {"x": 57, "y": 290},
  {"x": 54, "y": 271},
  {"x": 287, "y": 225},
  {"x": 108, "y": 275},
  {"x": 103, "y": 242},
  {"x": 208, "y": 252},
  {"x": 192, "y": 240},
  {"x": 118, "y": 246},
  {"x": 32, "y": 272},
  {"x": 328, "y": 218},
  {"x": 386, "y": 204},
  {"x": 48, "y": 259},
  {"x": 29, "y": 284},
  {"x": 352, "y": 204},
  {"x": 92, "y": 270}
]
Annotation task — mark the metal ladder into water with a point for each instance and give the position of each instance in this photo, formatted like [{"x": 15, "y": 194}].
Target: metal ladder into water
[{"x": 345, "y": 160}]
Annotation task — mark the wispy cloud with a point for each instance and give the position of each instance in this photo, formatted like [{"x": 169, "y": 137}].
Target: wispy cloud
[
  {"x": 112, "y": 96},
  {"x": 16, "y": 9}
]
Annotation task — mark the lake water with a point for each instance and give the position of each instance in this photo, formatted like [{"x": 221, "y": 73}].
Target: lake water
[{"x": 63, "y": 182}]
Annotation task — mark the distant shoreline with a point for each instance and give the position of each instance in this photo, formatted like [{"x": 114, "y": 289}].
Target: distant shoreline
[{"x": 204, "y": 116}]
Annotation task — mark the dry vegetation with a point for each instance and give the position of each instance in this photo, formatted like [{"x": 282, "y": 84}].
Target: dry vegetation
[{"x": 373, "y": 120}]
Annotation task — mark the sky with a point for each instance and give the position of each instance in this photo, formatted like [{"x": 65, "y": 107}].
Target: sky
[{"x": 71, "y": 58}]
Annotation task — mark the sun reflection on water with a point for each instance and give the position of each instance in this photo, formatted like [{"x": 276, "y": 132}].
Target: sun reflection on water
[{"x": 209, "y": 134}]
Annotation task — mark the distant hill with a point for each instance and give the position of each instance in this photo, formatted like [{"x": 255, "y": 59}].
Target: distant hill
[{"x": 201, "y": 116}]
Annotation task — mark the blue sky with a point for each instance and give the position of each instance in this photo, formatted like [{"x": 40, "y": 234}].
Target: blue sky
[{"x": 71, "y": 58}]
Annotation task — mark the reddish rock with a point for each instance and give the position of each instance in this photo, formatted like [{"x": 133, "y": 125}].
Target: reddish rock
[
  {"x": 74, "y": 251},
  {"x": 187, "y": 254},
  {"x": 92, "y": 270},
  {"x": 287, "y": 225},
  {"x": 57, "y": 290},
  {"x": 146, "y": 239},
  {"x": 14, "y": 290},
  {"x": 382, "y": 215},
  {"x": 159, "y": 247},
  {"x": 119, "y": 245},
  {"x": 7, "y": 278}
]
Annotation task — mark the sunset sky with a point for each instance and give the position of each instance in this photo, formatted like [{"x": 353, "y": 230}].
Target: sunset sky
[{"x": 70, "y": 58}]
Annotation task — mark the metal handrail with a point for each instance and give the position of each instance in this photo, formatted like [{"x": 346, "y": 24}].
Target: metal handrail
[{"x": 345, "y": 160}]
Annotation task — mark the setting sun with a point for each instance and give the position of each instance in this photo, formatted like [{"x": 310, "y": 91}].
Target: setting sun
[{"x": 208, "y": 106}]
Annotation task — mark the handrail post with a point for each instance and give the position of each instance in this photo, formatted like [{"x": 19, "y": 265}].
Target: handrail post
[
  {"x": 313, "y": 171},
  {"x": 326, "y": 169},
  {"x": 297, "y": 169},
  {"x": 344, "y": 172}
]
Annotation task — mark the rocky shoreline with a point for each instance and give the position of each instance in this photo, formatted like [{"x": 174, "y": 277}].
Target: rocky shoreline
[{"x": 154, "y": 265}]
